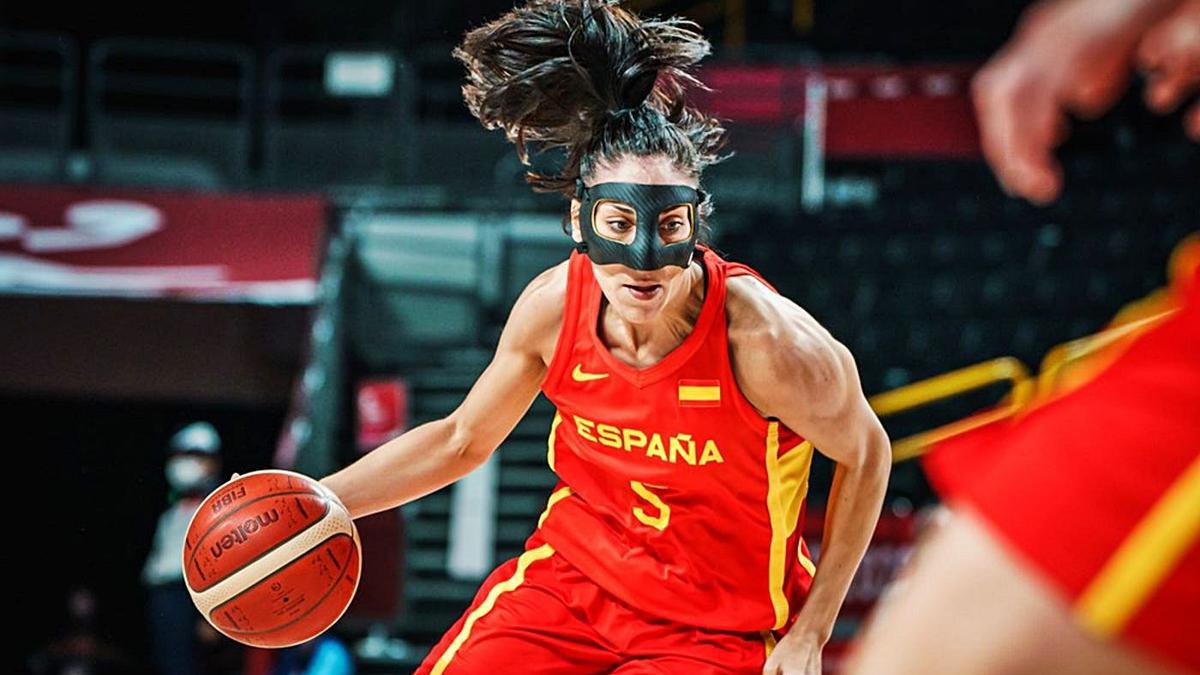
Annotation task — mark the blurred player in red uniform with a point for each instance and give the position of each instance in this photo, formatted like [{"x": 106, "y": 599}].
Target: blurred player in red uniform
[
  {"x": 689, "y": 394},
  {"x": 1074, "y": 544}
]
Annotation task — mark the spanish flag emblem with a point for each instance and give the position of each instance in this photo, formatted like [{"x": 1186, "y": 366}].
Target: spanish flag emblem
[{"x": 699, "y": 393}]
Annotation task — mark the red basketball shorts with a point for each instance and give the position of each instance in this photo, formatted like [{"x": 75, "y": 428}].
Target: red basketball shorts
[
  {"x": 538, "y": 614},
  {"x": 1098, "y": 491}
]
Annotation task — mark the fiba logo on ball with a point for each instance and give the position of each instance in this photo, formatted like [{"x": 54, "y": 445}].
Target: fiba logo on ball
[
  {"x": 227, "y": 497},
  {"x": 272, "y": 558}
]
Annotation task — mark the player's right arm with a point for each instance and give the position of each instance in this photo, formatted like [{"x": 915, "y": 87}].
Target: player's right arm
[{"x": 437, "y": 453}]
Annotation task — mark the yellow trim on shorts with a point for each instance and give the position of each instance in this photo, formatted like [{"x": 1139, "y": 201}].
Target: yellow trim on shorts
[
  {"x": 1145, "y": 559},
  {"x": 528, "y": 557},
  {"x": 769, "y": 641}
]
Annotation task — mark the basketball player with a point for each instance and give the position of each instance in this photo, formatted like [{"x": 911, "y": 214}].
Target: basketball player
[
  {"x": 690, "y": 395},
  {"x": 1074, "y": 546}
]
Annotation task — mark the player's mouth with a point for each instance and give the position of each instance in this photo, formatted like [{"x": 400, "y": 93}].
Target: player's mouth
[{"x": 644, "y": 292}]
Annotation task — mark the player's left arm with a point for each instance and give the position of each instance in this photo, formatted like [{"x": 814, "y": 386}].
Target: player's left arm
[{"x": 790, "y": 367}]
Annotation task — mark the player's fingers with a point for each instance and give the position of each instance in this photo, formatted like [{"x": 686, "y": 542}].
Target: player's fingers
[
  {"x": 1170, "y": 53},
  {"x": 1166, "y": 90},
  {"x": 1019, "y": 125},
  {"x": 1091, "y": 96},
  {"x": 1191, "y": 122},
  {"x": 235, "y": 476}
]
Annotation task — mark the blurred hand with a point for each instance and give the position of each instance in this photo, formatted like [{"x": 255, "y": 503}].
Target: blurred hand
[
  {"x": 1169, "y": 55},
  {"x": 1067, "y": 57}
]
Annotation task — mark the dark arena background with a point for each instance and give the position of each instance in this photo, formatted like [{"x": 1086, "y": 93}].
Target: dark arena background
[{"x": 280, "y": 218}]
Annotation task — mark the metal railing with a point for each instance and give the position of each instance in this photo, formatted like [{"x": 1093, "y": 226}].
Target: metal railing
[
  {"x": 1027, "y": 391},
  {"x": 38, "y": 102},
  {"x": 218, "y": 116}
]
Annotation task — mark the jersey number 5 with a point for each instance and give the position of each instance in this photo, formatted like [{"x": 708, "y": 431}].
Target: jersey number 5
[{"x": 661, "y": 518}]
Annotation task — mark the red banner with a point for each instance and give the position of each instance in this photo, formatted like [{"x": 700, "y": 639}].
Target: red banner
[
  {"x": 382, "y": 406},
  {"x": 94, "y": 240},
  {"x": 870, "y": 111}
]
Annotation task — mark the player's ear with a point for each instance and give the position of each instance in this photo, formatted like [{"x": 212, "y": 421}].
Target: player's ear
[{"x": 575, "y": 232}]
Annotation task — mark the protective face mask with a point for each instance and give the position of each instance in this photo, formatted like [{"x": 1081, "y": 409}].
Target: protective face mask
[
  {"x": 187, "y": 473},
  {"x": 645, "y": 252}
]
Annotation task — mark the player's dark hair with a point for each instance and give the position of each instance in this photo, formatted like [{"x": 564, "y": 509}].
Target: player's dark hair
[{"x": 592, "y": 78}]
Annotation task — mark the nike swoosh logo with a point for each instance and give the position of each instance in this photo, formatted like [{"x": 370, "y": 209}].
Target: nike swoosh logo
[{"x": 579, "y": 376}]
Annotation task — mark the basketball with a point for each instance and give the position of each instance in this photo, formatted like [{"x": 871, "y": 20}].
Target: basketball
[{"x": 272, "y": 558}]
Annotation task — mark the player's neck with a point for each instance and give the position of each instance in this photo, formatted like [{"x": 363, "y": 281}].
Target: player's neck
[{"x": 669, "y": 328}]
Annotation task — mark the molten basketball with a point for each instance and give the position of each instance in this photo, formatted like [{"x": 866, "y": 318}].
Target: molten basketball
[{"x": 272, "y": 558}]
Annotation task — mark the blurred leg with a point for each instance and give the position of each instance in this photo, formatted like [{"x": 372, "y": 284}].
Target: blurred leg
[{"x": 965, "y": 605}]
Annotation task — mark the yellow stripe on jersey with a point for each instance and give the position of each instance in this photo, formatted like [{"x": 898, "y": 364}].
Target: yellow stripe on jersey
[
  {"x": 794, "y": 469},
  {"x": 556, "y": 497},
  {"x": 528, "y": 557},
  {"x": 691, "y": 392},
  {"x": 787, "y": 485},
  {"x": 550, "y": 440},
  {"x": 1145, "y": 559}
]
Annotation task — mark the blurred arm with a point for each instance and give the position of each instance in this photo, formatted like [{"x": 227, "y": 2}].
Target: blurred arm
[
  {"x": 1169, "y": 54},
  {"x": 965, "y": 603},
  {"x": 1068, "y": 56}
]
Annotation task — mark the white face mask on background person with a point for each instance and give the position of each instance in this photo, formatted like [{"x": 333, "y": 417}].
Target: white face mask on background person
[{"x": 187, "y": 473}]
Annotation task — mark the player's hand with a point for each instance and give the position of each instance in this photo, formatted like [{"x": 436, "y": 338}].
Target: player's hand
[
  {"x": 1169, "y": 55},
  {"x": 795, "y": 654},
  {"x": 1067, "y": 57}
]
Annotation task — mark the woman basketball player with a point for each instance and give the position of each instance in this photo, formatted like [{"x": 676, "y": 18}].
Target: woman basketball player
[{"x": 689, "y": 393}]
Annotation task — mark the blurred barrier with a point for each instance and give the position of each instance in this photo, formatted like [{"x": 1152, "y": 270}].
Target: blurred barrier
[
  {"x": 337, "y": 116},
  {"x": 193, "y": 114},
  {"x": 38, "y": 72},
  {"x": 954, "y": 383},
  {"x": 1064, "y": 367},
  {"x": 170, "y": 113}
]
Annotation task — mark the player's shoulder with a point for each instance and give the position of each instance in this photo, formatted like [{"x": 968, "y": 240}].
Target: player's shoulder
[
  {"x": 760, "y": 316},
  {"x": 538, "y": 309},
  {"x": 781, "y": 338},
  {"x": 547, "y": 290}
]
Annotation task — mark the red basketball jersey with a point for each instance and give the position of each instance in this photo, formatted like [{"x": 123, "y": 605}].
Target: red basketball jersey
[{"x": 675, "y": 494}]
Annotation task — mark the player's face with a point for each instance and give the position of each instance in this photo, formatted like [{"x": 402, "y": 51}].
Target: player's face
[{"x": 639, "y": 295}]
